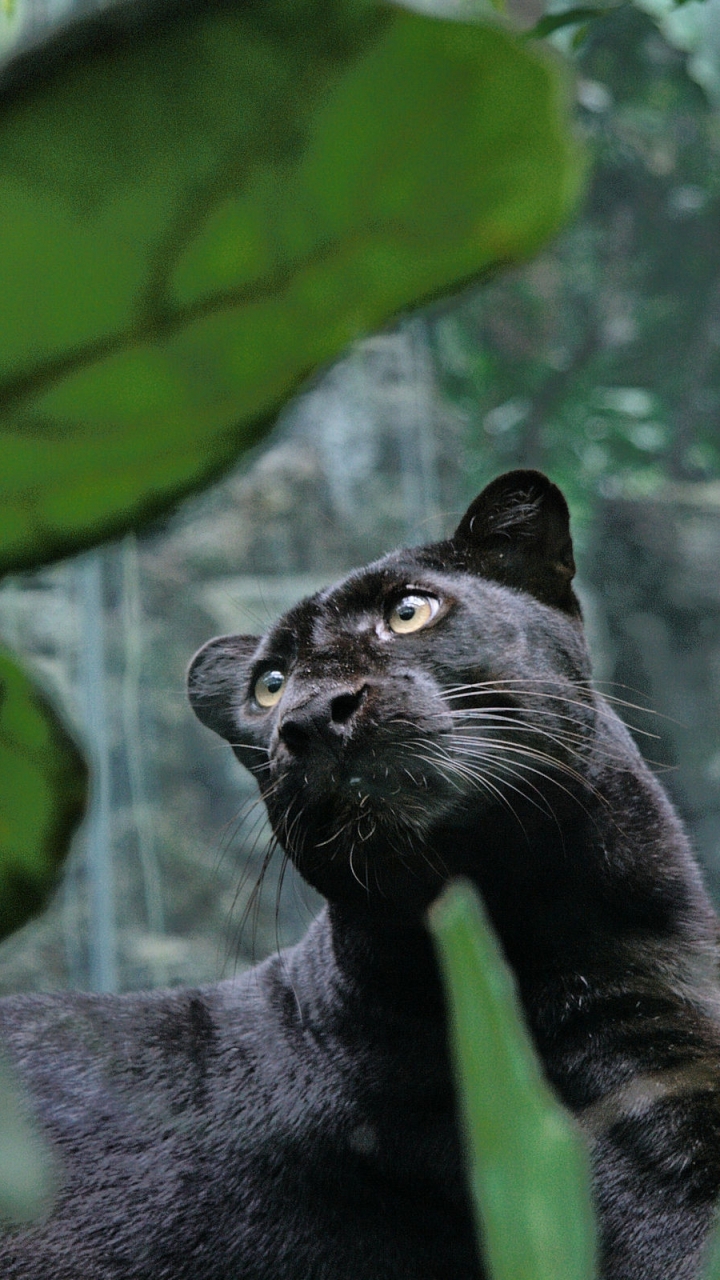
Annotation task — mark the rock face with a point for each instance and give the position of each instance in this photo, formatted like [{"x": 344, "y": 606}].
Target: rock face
[{"x": 654, "y": 570}]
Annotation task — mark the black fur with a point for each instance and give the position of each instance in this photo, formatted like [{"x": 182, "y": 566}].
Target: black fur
[{"x": 300, "y": 1123}]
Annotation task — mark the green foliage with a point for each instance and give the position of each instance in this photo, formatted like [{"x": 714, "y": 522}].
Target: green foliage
[
  {"x": 599, "y": 362},
  {"x": 197, "y": 212},
  {"x": 42, "y": 795},
  {"x": 529, "y": 1170}
]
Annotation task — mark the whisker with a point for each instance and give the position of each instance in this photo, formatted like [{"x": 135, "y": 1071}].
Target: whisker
[
  {"x": 563, "y": 737},
  {"x": 501, "y": 777},
  {"x": 520, "y": 769},
  {"x": 520, "y": 685},
  {"x": 533, "y": 753},
  {"x": 355, "y": 874},
  {"x": 252, "y": 905},
  {"x": 322, "y": 844},
  {"x": 460, "y": 769},
  {"x": 482, "y": 781}
]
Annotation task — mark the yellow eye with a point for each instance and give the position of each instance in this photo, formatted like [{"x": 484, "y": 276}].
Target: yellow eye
[
  {"x": 269, "y": 687},
  {"x": 412, "y": 613}
]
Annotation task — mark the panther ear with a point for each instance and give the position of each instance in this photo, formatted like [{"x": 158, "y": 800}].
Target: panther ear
[
  {"x": 216, "y": 681},
  {"x": 517, "y": 531}
]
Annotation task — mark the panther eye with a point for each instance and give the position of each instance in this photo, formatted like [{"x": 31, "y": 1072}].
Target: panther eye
[
  {"x": 412, "y": 613},
  {"x": 268, "y": 688}
]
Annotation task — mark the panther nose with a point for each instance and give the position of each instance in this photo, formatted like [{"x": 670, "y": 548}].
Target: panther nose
[{"x": 326, "y": 717}]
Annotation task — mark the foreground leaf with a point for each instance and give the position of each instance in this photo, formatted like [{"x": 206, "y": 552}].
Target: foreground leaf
[
  {"x": 42, "y": 796},
  {"x": 28, "y": 1174},
  {"x": 201, "y": 202},
  {"x": 711, "y": 1269},
  {"x": 528, "y": 1166}
]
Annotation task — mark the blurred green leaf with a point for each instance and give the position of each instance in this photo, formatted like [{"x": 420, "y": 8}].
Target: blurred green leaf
[
  {"x": 28, "y": 1174},
  {"x": 711, "y": 1270},
  {"x": 201, "y": 202},
  {"x": 42, "y": 796},
  {"x": 529, "y": 1170}
]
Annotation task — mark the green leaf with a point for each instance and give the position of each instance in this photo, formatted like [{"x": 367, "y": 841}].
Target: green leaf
[
  {"x": 42, "y": 796},
  {"x": 528, "y": 1165},
  {"x": 28, "y": 1173},
  {"x": 202, "y": 202}
]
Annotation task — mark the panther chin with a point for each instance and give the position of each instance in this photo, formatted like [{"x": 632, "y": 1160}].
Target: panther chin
[{"x": 369, "y": 835}]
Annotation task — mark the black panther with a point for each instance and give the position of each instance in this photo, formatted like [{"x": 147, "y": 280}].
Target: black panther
[{"x": 431, "y": 715}]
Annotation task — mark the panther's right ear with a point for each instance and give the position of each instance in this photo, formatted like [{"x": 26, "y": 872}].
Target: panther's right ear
[{"x": 216, "y": 681}]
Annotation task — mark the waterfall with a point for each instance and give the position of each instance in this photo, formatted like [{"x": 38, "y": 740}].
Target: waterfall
[{"x": 102, "y": 943}]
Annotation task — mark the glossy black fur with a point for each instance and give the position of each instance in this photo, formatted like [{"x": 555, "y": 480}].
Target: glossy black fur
[{"x": 300, "y": 1124}]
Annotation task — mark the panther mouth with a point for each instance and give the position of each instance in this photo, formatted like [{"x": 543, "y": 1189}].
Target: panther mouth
[
  {"x": 360, "y": 819},
  {"x": 379, "y": 779},
  {"x": 385, "y": 782}
]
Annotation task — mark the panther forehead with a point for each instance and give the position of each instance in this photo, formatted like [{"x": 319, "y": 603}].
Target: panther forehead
[{"x": 368, "y": 588}]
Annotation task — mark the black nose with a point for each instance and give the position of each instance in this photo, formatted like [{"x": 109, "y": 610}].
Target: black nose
[{"x": 326, "y": 717}]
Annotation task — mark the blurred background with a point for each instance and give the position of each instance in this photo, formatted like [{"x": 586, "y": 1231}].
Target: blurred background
[{"x": 599, "y": 362}]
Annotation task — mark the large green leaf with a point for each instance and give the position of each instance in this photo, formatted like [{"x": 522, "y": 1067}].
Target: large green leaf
[
  {"x": 529, "y": 1170},
  {"x": 201, "y": 202},
  {"x": 42, "y": 796}
]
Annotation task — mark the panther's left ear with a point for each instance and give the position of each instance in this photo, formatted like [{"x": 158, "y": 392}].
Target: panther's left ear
[{"x": 517, "y": 531}]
